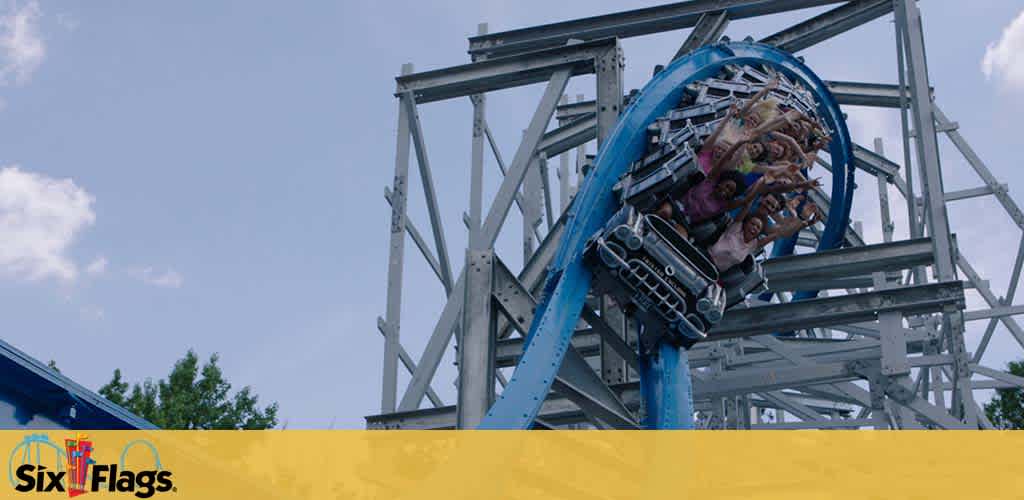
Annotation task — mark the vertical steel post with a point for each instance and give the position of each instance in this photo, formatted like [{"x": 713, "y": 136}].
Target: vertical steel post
[
  {"x": 564, "y": 182},
  {"x": 396, "y": 258},
  {"x": 909, "y": 16},
  {"x": 476, "y": 173},
  {"x": 609, "y": 91},
  {"x": 883, "y": 197},
  {"x": 476, "y": 351}
]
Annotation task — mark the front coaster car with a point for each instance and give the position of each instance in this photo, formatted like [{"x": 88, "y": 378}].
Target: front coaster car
[{"x": 658, "y": 276}]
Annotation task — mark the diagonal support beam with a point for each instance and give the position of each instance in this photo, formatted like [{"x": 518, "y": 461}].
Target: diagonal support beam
[
  {"x": 990, "y": 298},
  {"x": 417, "y": 238},
  {"x": 429, "y": 193},
  {"x": 791, "y": 405},
  {"x": 708, "y": 30},
  {"x": 829, "y": 24},
  {"x": 444, "y": 328},
  {"x": 409, "y": 364},
  {"x": 521, "y": 160},
  {"x": 979, "y": 166},
  {"x": 576, "y": 380}
]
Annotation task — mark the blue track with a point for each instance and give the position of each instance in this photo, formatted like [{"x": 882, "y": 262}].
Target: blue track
[{"x": 665, "y": 375}]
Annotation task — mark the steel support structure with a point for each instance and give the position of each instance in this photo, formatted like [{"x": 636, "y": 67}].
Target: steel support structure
[{"x": 883, "y": 346}]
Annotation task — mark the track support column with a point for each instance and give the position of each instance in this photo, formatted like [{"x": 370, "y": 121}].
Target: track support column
[{"x": 476, "y": 349}]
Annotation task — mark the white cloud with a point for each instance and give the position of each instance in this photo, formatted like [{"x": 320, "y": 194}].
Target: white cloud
[
  {"x": 39, "y": 219},
  {"x": 1003, "y": 59},
  {"x": 21, "y": 47},
  {"x": 97, "y": 266},
  {"x": 167, "y": 279}
]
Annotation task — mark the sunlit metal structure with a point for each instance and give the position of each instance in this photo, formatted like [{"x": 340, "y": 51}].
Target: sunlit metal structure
[{"x": 883, "y": 346}]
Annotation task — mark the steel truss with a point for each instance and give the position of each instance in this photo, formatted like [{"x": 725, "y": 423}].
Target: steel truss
[{"x": 883, "y": 348}]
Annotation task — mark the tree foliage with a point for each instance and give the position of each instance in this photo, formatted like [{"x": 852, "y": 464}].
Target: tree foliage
[
  {"x": 1006, "y": 410},
  {"x": 192, "y": 397}
]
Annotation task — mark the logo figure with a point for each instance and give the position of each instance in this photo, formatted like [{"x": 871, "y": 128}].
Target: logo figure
[
  {"x": 79, "y": 453},
  {"x": 75, "y": 470}
]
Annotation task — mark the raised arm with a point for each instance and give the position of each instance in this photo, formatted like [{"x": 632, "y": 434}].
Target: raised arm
[
  {"x": 713, "y": 138},
  {"x": 748, "y": 199},
  {"x": 776, "y": 123},
  {"x": 758, "y": 96},
  {"x": 720, "y": 163},
  {"x": 795, "y": 146},
  {"x": 780, "y": 187},
  {"x": 789, "y": 228}
]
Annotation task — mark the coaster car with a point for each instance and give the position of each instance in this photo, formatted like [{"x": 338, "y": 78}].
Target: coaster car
[{"x": 670, "y": 285}]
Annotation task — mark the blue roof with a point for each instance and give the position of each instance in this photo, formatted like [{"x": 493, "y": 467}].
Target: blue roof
[{"x": 51, "y": 393}]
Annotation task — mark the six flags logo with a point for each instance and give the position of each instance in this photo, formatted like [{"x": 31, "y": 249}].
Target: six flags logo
[{"x": 78, "y": 472}]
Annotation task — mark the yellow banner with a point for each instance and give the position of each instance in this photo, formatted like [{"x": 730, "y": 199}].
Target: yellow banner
[{"x": 422, "y": 465}]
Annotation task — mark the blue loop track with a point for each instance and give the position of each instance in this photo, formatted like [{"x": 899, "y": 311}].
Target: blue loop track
[{"x": 569, "y": 279}]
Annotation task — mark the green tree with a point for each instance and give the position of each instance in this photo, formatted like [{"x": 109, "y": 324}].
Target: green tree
[
  {"x": 192, "y": 397},
  {"x": 1006, "y": 410}
]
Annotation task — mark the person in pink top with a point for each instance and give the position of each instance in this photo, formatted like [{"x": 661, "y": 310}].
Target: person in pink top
[{"x": 745, "y": 237}]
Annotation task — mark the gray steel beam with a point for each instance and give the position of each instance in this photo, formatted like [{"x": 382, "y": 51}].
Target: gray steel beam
[
  {"x": 709, "y": 28},
  {"x": 843, "y": 309},
  {"x": 545, "y": 179},
  {"x": 436, "y": 345},
  {"x": 501, "y": 167},
  {"x": 879, "y": 95},
  {"x": 476, "y": 347},
  {"x": 739, "y": 382},
  {"x": 883, "y": 194},
  {"x": 628, "y": 24},
  {"x": 576, "y": 379},
  {"x": 821, "y": 283},
  {"x": 587, "y": 342},
  {"x": 476, "y": 169},
  {"x": 575, "y": 110},
  {"x": 578, "y": 382},
  {"x": 504, "y": 72},
  {"x": 396, "y": 260},
  {"x": 609, "y": 66},
  {"x": 521, "y": 161},
  {"x": 421, "y": 243},
  {"x": 878, "y": 166},
  {"x": 829, "y": 24},
  {"x": 516, "y": 301},
  {"x": 564, "y": 182},
  {"x": 409, "y": 364},
  {"x": 842, "y": 423},
  {"x": 979, "y": 166},
  {"x": 998, "y": 375},
  {"x": 964, "y": 194},
  {"x": 928, "y": 150},
  {"x": 1011, "y": 292},
  {"x": 580, "y": 130},
  {"x": 429, "y": 193},
  {"x": 794, "y": 271},
  {"x": 610, "y": 337},
  {"x": 995, "y": 312},
  {"x": 532, "y": 273},
  {"x": 780, "y": 400}
]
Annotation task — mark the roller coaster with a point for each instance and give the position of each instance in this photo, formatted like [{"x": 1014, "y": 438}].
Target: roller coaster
[{"x": 617, "y": 320}]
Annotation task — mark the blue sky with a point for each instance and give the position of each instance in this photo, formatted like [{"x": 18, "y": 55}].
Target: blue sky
[{"x": 211, "y": 174}]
